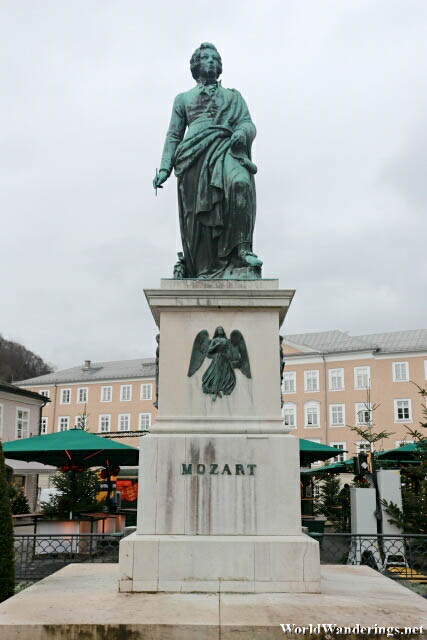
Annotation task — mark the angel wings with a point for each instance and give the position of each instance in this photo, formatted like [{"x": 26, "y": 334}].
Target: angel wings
[{"x": 226, "y": 355}]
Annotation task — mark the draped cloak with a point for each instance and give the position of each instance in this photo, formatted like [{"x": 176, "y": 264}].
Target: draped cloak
[{"x": 216, "y": 193}]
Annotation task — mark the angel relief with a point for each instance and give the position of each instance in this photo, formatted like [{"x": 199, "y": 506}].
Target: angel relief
[{"x": 226, "y": 354}]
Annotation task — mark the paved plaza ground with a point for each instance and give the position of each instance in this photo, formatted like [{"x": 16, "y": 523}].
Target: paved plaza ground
[{"x": 82, "y": 601}]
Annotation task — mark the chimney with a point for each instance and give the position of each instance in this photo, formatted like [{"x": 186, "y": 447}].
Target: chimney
[{"x": 87, "y": 364}]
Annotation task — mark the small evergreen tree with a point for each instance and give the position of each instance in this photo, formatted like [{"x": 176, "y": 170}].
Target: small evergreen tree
[
  {"x": 412, "y": 518},
  {"x": 7, "y": 552},
  {"x": 83, "y": 420},
  {"x": 18, "y": 501},
  {"x": 334, "y": 503},
  {"x": 77, "y": 493},
  {"x": 367, "y": 431}
]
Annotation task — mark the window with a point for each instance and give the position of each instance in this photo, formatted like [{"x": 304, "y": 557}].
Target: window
[
  {"x": 1, "y": 421},
  {"x": 63, "y": 423},
  {"x": 311, "y": 414},
  {"x": 401, "y": 443},
  {"x": 290, "y": 415},
  {"x": 289, "y": 382},
  {"x": 311, "y": 380},
  {"x": 400, "y": 372},
  {"x": 106, "y": 394},
  {"x": 402, "y": 411},
  {"x": 43, "y": 425},
  {"x": 363, "y": 413},
  {"x": 336, "y": 379},
  {"x": 104, "y": 423},
  {"x": 22, "y": 423},
  {"x": 65, "y": 396},
  {"x": 362, "y": 377},
  {"x": 362, "y": 447},
  {"x": 82, "y": 395},
  {"x": 144, "y": 420},
  {"x": 123, "y": 423},
  {"x": 146, "y": 391},
  {"x": 337, "y": 415},
  {"x": 342, "y": 456},
  {"x": 44, "y": 392},
  {"x": 125, "y": 392}
]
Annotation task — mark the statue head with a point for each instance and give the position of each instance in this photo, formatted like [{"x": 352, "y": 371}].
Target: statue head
[
  {"x": 206, "y": 62},
  {"x": 219, "y": 333}
]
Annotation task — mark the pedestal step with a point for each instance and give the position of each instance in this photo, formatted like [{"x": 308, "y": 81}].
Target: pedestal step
[{"x": 244, "y": 564}]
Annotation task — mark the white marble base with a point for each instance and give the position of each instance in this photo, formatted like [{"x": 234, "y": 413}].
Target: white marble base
[
  {"x": 219, "y": 513},
  {"x": 244, "y": 564},
  {"x": 257, "y": 494}
]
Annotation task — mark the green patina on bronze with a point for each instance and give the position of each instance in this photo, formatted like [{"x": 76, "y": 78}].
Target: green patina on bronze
[
  {"x": 208, "y": 144},
  {"x": 226, "y": 354}
]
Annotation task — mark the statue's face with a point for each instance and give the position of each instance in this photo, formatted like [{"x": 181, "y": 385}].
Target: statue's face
[{"x": 209, "y": 64}]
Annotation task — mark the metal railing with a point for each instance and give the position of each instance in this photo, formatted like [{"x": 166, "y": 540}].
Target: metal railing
[
  {"x": 401, "y": 557},
  {"x": 39, "y": 555}
]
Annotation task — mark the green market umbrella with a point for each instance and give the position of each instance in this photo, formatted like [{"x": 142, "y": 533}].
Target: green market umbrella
[
  {"x": 73, "y": 447},
  {"x": 392, "y": 456},
  {"x": 313, "y": 451},
  {"x": 335, "y": 467},
  {"x": 73, "y": 451},
  {"x": 402, "y": 454}
]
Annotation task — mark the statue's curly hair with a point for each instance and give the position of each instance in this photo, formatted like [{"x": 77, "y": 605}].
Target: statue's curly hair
[{"x": 195, "y": 59}]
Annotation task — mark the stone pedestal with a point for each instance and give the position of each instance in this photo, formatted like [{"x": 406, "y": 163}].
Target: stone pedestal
[
  {"x": 219, "y": 502},
  {"x": 182, "y": 308}
]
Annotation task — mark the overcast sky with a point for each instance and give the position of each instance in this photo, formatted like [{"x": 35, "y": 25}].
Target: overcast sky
[{"x": 337, "y": 91}]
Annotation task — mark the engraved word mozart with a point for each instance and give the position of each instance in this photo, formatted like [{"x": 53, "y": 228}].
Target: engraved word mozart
[{"x": 214, "y": 469}]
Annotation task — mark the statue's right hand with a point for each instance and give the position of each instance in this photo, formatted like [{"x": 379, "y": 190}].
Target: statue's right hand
[{"x": 160, "y": 177}]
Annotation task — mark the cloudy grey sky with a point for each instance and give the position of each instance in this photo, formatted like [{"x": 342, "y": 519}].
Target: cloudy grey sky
[{"x": 337, "y": 91}]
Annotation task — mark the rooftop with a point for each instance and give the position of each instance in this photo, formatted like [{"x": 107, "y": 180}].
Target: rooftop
[
  {"x": 340, "y": 341},
  {"x": 94, "y": 371},
  {"x": 12, "y": 388}
]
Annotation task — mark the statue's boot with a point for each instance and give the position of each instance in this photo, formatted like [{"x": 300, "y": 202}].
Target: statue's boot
[{"x": 249, "y": 257}]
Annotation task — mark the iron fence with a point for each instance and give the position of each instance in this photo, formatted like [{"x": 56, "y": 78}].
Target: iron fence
[
  {"x": 401, "y": 557},
  {"x": 39, "y": 555}
]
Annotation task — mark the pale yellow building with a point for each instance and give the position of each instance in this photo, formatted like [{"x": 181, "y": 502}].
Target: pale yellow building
[
  {"x": 116, "y": 397},
  {"x": 333, "y": 381}
]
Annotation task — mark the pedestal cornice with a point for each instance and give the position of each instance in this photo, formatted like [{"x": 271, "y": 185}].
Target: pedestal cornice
[{"x": 203, "y": 295}]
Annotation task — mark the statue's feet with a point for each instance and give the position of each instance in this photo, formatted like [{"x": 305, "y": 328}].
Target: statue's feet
[{"x": 251, "y": 259}]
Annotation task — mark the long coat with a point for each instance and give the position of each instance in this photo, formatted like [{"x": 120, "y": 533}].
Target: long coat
[{"x": 216, "y": 192}]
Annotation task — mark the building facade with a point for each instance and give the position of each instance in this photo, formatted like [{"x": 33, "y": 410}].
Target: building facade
[
  {"x": 333, "y": 381},
  {"x": 21, "y": 417},
  {"x": 108, "y": 397}
]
